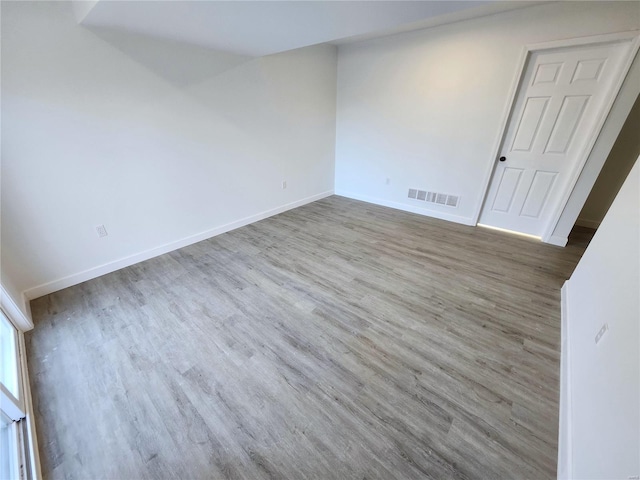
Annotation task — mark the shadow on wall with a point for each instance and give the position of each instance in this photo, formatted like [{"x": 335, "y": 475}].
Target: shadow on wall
[
  {"x": 197, "y": 83},
  {"x": 623, "y": 155},
  {"x": 179, "y": 63},
  {"x": 239, "y": 97}
]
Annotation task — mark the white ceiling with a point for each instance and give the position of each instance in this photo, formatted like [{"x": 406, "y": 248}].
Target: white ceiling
[{"x": 265, "y": 27}]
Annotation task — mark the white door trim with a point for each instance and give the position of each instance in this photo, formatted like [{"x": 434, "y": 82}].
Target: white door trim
[{"x": 523, "y": 59}]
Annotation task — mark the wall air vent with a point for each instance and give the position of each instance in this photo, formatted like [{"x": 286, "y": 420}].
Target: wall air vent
[{"x": 434, "y": 197}]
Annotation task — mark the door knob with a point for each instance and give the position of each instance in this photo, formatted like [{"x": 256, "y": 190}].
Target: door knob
[{"x": 502, "y": 159}]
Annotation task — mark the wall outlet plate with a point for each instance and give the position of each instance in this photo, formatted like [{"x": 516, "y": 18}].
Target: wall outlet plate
[{"x": 101, "y": 231}]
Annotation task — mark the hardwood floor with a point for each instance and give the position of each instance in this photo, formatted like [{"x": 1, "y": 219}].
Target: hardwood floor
[{"x": 339, "y": 340}]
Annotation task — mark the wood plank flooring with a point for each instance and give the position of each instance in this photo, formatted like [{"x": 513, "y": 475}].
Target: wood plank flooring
[{"x": 339, "y": 340}]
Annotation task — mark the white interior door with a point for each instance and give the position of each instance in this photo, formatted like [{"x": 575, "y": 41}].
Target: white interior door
[{"x": 563, "y": 94}]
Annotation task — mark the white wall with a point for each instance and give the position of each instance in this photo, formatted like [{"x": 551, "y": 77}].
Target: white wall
[
  {"x": 424, "y": 108},
  {"x": 102, "y": 132},
  {"x": 602, "y": 418}
]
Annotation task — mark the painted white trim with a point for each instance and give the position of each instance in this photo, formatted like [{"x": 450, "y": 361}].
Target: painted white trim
[
  {"x": 588, "y": 40},
  {"x": 11, "y": 405},
  {"x": 586, "y": 149},
  {"x": 557, "y": 240},
  {"x": 565, "y": 445},
  {"x": 408, "y": 208},
  {"x": 76, "y": 278},
  {"x": 507, "y": 111},
  {"x": 21, "y": 321},
  {"x": 34, "y": 454},
  {"x": 585, "y": 222},
  {"x": 25, "y": 403}
]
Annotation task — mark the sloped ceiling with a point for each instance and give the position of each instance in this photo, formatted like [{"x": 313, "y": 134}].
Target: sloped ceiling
[{"x": 257, "y": 28}]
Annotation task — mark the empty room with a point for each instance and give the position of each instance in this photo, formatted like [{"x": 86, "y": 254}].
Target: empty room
[{"x": 320, "y": 239}]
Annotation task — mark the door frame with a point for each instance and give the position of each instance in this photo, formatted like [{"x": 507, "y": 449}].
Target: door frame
[{"x": 525, "y": 54}]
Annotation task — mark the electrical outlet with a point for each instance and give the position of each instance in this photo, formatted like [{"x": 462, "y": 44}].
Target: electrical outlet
[
  {"x": 601, "y": 333},
  {"x": 101, "y": 231},
  {"x": 284, "y": 184}
]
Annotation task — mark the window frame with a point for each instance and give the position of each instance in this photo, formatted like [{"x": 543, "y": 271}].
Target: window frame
[
  {"x": 13, "y": 406},
  {"x": 20, "y": 410},
  {"x": 13, "y": 456}
]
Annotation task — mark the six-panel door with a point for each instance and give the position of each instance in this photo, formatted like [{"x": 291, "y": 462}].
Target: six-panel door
[{"x": 562, "y": 95}]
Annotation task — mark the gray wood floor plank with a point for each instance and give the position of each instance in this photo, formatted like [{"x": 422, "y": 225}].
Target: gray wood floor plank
[{"x": 337, "y": 340}]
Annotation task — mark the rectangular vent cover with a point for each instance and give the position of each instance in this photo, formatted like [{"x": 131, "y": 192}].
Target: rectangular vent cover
[{"x": 434, "y": 197}]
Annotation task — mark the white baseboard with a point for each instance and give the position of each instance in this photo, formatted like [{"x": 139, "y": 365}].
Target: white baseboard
[
  {"x": 564, "y": 429},
  {"x": 408, "y": 208},
  {"x": 585, "y": 222},
  {"x": 557, "y": 240},
  {"x": 76, "y": 278}
]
